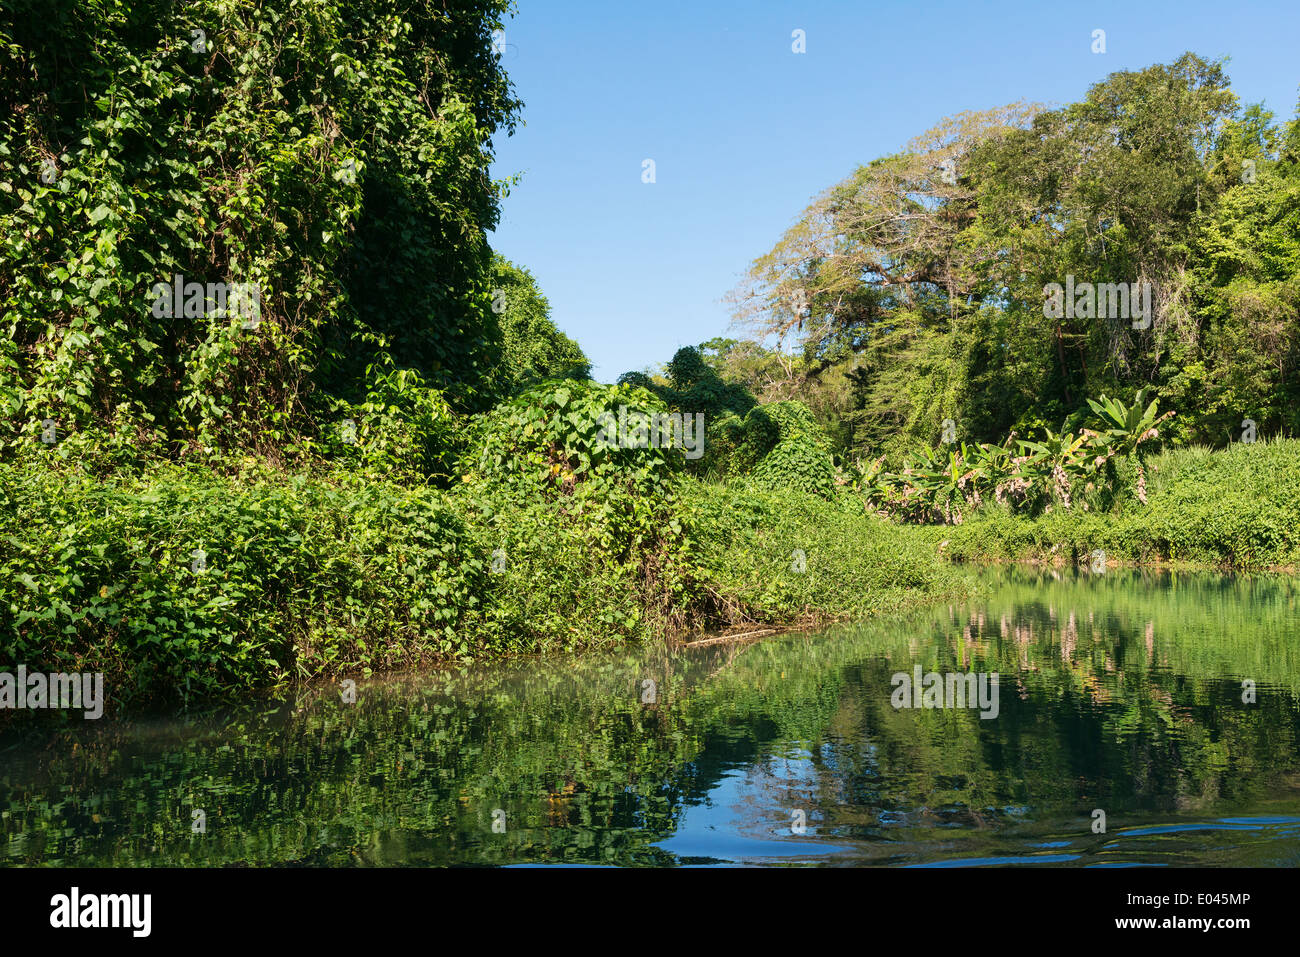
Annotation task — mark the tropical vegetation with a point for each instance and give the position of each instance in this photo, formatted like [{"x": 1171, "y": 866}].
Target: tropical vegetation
[{"x": 398, "y": 460}]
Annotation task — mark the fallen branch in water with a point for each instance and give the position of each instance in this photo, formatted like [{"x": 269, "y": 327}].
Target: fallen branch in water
[{"x": 720, "y": 638}]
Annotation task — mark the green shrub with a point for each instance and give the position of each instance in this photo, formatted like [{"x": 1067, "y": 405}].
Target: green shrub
[
  {"x": 551, "y": 457},
  {"x": 186, "y": 584},
  {"x": 778, "y": 556},
  {"x": 552, "y": 443},
  {"x": 552, "y": 587},
  {"x": 788, "y": 449},
  {"x": 779, "y": 446},
  {"x": 403, "y": 428}
]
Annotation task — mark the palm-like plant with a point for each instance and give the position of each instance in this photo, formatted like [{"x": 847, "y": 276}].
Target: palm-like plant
[
  {"x": 1126, "y": 427},
  {"x": 942, "y": 483},
  {"x": 875, "y": 484},
  {"x": 1056, "y": 461}
]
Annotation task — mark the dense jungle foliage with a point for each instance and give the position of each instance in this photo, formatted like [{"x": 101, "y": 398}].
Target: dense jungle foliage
[
  {"x": 397, "y": 459},
  {"x": 913, "y": 292}
]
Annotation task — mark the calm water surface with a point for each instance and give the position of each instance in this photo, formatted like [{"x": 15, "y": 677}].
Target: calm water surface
[{"x": 1121, "y": 693}]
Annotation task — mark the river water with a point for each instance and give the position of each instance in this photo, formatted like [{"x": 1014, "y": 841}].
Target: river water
[{"x": 1142, "y": 718}]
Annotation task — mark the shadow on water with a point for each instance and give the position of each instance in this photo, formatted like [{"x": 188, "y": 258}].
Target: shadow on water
[{"x": 1126, "y": 695}]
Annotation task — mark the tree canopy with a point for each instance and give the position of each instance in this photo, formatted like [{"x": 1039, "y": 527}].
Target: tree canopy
[{"x": 914, "y": 290}]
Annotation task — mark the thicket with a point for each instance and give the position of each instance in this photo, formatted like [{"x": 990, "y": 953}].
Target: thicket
[
  {"x": 777, "y": 445},
  {"x": 1094, "y": 470},
  {"x": 185, "y": 583},
  {"x": 333, "y": 155}
]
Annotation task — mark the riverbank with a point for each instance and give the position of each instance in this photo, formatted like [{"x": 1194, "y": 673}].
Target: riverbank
[
  {"x": 184, "y": 583},
  {"x": 188, "y": 583}
]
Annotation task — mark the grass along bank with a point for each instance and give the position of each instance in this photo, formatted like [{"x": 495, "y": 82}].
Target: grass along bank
[{"x": 1237, "y": 507}]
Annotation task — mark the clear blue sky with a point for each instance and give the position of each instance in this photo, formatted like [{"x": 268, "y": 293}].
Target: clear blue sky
[{"x": 744, "y": 132}]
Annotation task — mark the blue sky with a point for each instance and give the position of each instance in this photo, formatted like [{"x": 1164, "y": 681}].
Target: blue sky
[{"x": 744, "y": 132}]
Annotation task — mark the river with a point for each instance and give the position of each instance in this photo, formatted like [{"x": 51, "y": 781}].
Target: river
[{"x": 1142, "y": 718}]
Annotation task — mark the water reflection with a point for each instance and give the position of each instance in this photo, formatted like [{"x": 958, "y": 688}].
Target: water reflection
[{"x": 1121, "y": 693}]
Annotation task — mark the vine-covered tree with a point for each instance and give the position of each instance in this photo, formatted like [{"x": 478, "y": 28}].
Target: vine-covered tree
[
  {"x": 533, "y": 348},
  {"x": 333, "y": 155}
]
